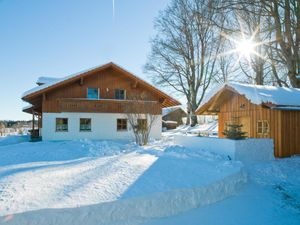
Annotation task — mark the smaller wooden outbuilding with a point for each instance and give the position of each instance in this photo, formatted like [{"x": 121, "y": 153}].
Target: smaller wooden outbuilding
[
  {"x": 264, "y": 112},
  {"x": 172, "y": 117}
]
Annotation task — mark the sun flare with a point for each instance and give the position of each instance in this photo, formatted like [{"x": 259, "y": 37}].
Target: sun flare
[{"x": 245, "y": 48}]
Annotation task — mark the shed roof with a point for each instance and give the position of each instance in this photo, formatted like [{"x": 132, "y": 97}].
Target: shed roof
[{"x": 270, "y": 96}]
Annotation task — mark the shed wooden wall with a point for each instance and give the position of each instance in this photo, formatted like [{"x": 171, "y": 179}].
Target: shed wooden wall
[
  {"x": 107, "y": 81},
  {"x": 232, "y": 108},
  {"x": 290, "y": 144}
]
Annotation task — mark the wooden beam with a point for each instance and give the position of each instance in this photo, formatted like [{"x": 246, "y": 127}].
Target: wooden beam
[
  {"x": 44, "y": 97},
  {"x": 81, "y": 81}
]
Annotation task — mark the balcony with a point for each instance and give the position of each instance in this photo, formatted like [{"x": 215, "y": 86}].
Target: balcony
[{"x": 109, "y": 106}]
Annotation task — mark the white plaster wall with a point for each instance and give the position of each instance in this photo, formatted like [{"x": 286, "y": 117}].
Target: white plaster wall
[
  {"x": 104, "y": 126},
  {"x": 252, "y": 149}
]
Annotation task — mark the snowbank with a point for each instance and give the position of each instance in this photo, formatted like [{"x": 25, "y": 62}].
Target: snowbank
[
  {"x": 247, "y": 150},
  {"x": 209, "y": 129},
  {"x": 75, "y": 183},
  {"x": 156, "y": 205}
]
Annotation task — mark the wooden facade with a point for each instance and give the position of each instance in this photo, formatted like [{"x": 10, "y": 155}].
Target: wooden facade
[{"x": 283, "y": 126}]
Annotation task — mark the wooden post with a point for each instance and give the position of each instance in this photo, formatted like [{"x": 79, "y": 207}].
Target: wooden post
[{"x": 32, "y": 132}]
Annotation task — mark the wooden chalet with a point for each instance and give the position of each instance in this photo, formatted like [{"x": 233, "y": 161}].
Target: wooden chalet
[
  {"x": 264, "y": 112},
  {"x": 92, "y": 104}
]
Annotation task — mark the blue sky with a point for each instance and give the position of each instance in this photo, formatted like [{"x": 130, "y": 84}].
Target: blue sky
[{"x": 60, "y": 37}]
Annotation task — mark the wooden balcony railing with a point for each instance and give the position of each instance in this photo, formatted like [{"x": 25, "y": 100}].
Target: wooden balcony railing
[{"x": 109, "y": 106}]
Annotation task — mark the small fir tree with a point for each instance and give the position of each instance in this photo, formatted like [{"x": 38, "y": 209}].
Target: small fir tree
[{"x": 233, "y": 131}]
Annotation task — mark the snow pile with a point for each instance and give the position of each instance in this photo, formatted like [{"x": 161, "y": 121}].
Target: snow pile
[
  {"x": 136, "y": 209},
  {"x": 209, "y": 129},
  {"x": 126, "y": 183},
  {"x": 271, "y": 194},
  {"x": 248, "y": 150}
]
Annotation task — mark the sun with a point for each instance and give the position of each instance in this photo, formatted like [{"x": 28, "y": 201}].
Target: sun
[{"x": 245, "y": 48}]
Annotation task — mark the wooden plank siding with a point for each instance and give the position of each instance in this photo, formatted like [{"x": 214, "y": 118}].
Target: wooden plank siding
[
  {"x": 291, "y": 133},
  {"x": 109, "y": 106},
  {"x": 239, "y": 106},
  {"x": 107, "y": 81}
]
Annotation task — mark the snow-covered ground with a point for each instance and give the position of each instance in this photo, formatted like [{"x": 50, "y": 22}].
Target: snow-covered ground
[
  {"x": 206, "y": 129},
  {"x": 126, "y": 184},
  {"x": 271, "y": 197},
  {"x": 72, "y": 174}
]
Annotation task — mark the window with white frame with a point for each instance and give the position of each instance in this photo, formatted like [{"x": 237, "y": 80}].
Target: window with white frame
[
  {"x": 93, "y": 93},
  {"x": 61, "y": 124},
  {"x": 85, "y": 124}
]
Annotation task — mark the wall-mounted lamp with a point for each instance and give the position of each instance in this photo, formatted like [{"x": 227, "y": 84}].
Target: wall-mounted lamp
[{"x": 242, "y": 106}]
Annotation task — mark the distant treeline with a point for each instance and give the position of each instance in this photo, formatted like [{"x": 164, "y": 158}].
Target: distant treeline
[{"x": 15, "y": 123}]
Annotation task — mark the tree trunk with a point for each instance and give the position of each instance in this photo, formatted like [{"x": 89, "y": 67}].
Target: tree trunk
[
  {"x": 295, "y": 82},
  {"x": 194, "y": 119},
  {"x": 188, "y": 116}
]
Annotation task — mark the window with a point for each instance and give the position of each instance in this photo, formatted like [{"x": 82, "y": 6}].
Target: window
[
  {"x": 61, "y": 124},
  {"x": 121, "y": 124},
  {"x": 120, "y": 94},
  {"x": 93, "y": 93},
  {"x": 85, "y": 124},
  {"x": 142, "y": 124},
  {"x": 262, "y": 127}
]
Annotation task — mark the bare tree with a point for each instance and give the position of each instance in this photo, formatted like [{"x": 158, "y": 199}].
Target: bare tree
[
  {"x": 185, "y": 49},
  {"x": 284, "y": 27},
  {"x": 142, "y": 116},
  {"x": 286, "y": 18}
]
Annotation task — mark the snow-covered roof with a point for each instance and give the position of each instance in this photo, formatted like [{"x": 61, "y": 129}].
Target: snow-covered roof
[
  {"x": 45, "y": 80},
  {"x": 259, "y": 94},
  {"x": 56, "y": 81},
  {"x": 27, "y": 107},
  {"x": 166, "y": 111}
]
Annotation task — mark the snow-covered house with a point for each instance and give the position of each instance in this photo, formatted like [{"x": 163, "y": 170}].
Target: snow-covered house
[
  {"x": 93, "y": 104},
  {"x": 264, "y": 112}
]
